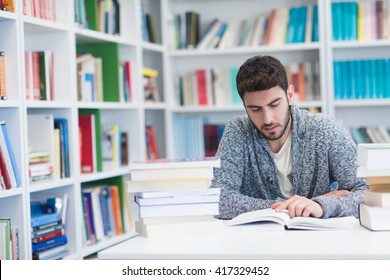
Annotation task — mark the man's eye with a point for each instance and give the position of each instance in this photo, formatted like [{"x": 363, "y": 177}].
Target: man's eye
[
  {"x": 274, "y": 105},
  {"x": 255, "y": 109}
]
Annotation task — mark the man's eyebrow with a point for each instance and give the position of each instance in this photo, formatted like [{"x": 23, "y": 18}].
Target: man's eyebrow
[{"x": 257, "y": 106}]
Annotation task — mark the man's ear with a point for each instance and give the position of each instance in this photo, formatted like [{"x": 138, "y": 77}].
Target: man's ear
[{"x": 290, "y": 94}]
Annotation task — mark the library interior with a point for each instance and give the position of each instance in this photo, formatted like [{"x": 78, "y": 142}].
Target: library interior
[{"x": 112, "y": 113}]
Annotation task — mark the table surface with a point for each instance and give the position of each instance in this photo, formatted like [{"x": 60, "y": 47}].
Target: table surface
[{"x": 255, "y": 243}]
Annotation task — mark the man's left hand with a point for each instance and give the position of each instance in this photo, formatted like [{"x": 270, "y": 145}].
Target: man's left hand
[{"x": 299, "y": 206}]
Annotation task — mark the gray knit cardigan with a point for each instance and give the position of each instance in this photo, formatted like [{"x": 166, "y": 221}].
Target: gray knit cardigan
[{"x": 323, "y": 153}]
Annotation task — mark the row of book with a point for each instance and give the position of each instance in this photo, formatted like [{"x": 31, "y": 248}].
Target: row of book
[
  {"x": 217, "y": 86},
  {"x": 9, "y": 240},
  {"x": 281, "y": 26},
  {"x": 102, "y": 15},
  {"x": 374, "y": 165},
  {"x": 102, "y": 146},
  {"x": 364, "y": 134},
  {"x": 195, "y": 137},
  {"x": 3, "y": 85},
  {"x": 174, "y": 196},
  {"x": 49, "y": 155},
  {"x": 39, "y": 73},
  {"x": 106, "y": 214},
  {"x": 10, "y": 177},
  {"x": 48, "y": 227},
  {"x": 43, "y": 9},
  {"x": 149, "y": 25},
  {"x": 361, "y": 79},
  {"x": 363, "y": 21},
  {"x": 90, "y": 71}
]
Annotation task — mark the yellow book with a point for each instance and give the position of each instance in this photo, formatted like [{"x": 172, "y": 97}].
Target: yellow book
[
  {"x": 360, "y": 21},
  {"x": 149, "y": 72}
]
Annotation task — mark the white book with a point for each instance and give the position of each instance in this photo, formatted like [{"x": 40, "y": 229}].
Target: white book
[
  {"x": 374, "y": 218},
  {"x": 205, "y": 226},
  {"x": 374, "y": 156},
  {"x": 195, "y": 209},
  {"x": 379, "y": 199},
  {"x": 179, "y": 198},
  {"x": 179, "y": 193},
  {"x": 282, "y": 218},
  {"x": 171, "y": 174},
  {"x": 169, "y": 185},
  {"x": 176, "y": 163}
]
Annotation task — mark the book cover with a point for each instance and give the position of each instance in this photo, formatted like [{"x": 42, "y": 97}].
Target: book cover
[
  {"x": 45, "y": 218},
  {"x": 282, "y": 218},
  {"x": 169, "y": 185},
  {"x": 45, "y": 245},
  {"x": 374, "y": 156},
  {"x": 87, "y": 143},
  {"x": 171, "y": 174},
  {"x": 175, "y": 210}
]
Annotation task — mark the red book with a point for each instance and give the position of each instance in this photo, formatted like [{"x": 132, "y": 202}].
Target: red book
[
  {"x": 128, "y": 80},
  {"x": 152, "y": 142},
  {"x": 36, "y": 76},
  {"x": 47, "y": 236},
  {"x": 3, "y": 171},
  {"x": 87, "y": 143},
  {"x": 202, "y": 86}
]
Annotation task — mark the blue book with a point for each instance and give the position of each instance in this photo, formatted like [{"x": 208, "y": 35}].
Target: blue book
[
  {"x": 372, "y": 79},
  {"x": 48, "y": 244},
  {"x": 337, "y": 79},
  {"x": 236, "y": 100},
  {"x": 8, "y": 142},
  {"x": 301, "y": 23},
  {"x": 387, "y": 78},
  {"x": 380, "y": 85},
  {"x": 290, "y": 26},
  {"x": 46, "y": 218},
  {"x": 366, "y": 77},
  {"x": 62, "y": 125},
  {"x": 315, "y": 32},
  {"x": 336, "y": 34}
]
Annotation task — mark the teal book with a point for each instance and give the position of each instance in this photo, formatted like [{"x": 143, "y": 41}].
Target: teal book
[
  {"x": 236, "y": 99},
  {"x": 315, "y": 32},
  {"x": 337, "y": 79}
]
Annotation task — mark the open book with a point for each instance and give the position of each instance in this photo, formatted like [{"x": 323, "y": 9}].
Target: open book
[{"x": 282, "y": 218}]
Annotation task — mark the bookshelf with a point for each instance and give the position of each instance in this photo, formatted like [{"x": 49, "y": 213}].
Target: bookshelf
[
  {"x": 64, "y": 38},
  {"x": 21, "y": 31},
  {"x": 184, "y": 61},
  {"x": 368, "y": 109}
]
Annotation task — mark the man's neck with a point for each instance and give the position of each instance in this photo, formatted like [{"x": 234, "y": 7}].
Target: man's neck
[{"x": 276, "y": 145}]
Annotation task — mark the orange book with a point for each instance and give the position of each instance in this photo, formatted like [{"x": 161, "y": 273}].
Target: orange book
[
  {"x": 116, "y": 205},
  {"x": 301, "y": 82}
]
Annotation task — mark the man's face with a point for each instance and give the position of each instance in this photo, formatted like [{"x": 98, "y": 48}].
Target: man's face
[{"x": 269, "y": 111}]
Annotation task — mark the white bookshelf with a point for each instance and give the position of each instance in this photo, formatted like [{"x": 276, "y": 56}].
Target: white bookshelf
[
  {"x": 20, "y": 33},
  {"x": 355, "y": 112}
]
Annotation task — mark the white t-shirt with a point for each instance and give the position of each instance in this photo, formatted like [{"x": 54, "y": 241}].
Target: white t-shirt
[{"x": 283, "y": 160}]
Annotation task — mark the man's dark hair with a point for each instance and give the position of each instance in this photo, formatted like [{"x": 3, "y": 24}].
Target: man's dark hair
[{"x": 261, "y": 73}]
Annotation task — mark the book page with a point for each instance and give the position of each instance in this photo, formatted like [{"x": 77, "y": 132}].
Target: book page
[
  {"x": 311, "y": 223},
  {"x": 264, "y": 215}
]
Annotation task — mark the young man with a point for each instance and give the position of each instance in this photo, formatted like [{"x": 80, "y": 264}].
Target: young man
[{"x": 282, "y": 157}]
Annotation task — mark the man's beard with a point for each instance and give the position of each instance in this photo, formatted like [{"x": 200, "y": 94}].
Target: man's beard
[{"x": 287, "y": 120}]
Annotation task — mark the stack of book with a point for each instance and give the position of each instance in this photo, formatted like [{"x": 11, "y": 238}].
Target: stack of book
[
  {"x": 48, "y": 220},
  {"x": 174, "y": 196},
  {"x": 374, "y": 164}
]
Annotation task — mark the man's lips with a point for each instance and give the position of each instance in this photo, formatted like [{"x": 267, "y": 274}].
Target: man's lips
[{"x": 270, "y": 128}]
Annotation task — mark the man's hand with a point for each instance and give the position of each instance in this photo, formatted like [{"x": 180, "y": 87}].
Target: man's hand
[{"x": 299, "y": 206}]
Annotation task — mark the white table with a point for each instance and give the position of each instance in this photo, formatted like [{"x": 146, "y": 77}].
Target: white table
[{"x": 254, "y": 244}]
